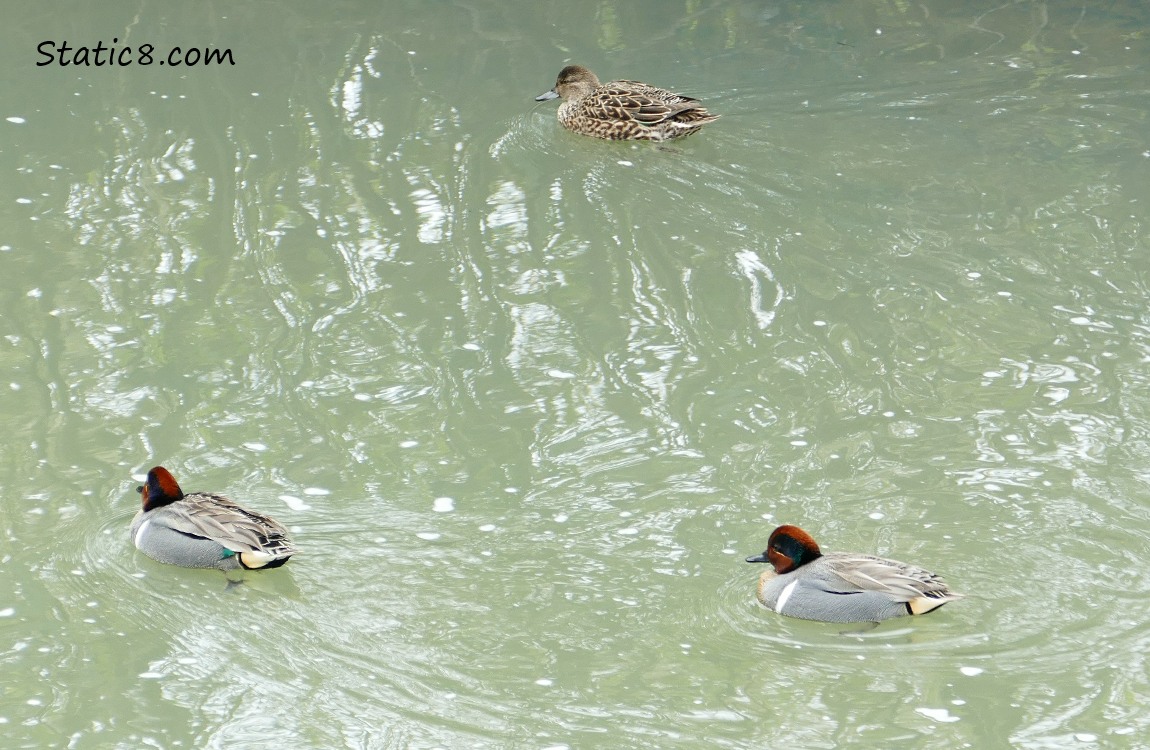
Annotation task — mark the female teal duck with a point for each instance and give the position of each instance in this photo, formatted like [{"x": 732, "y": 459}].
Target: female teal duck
[
  {"x": 623, "y": 110},
  {"x": 842, "y": 586},
  {"x": 203, "y": 530}
]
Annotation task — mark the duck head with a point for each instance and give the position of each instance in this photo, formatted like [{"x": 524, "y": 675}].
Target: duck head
[
  {"x": 160, "y": 490},
  {"x": 788, "y": 548},
  {"x": 573, "y": 82}
]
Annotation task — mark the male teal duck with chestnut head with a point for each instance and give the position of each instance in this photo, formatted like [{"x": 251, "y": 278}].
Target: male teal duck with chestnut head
[
  {"x": 623, "y": 110},
  {"x": 204, "y": 530},
  {"x": 807, "y": 583}
]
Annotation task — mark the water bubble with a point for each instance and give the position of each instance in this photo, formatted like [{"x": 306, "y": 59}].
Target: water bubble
[
  {"x": 937, "y": 714},
  {"x": 294, "y": 502}
]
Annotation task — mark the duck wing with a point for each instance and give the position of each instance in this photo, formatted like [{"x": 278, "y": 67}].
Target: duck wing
[
  {"x": 639, "y": 102},
  {"x": 220, "y": 519},
  {"x": 900, "y": 581}
]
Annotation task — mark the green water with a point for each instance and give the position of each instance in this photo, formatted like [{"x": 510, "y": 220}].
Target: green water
[{"x": 528, "y": 399}]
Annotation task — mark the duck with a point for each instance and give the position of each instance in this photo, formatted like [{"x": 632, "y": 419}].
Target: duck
[
  {"x": 623, "y": 110},
  {"x": 842, "y": 587},
  {"x": 204, "y": 530}
]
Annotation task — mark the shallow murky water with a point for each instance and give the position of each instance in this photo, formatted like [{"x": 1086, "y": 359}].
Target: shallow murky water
[{"x": 527, "y": 399}]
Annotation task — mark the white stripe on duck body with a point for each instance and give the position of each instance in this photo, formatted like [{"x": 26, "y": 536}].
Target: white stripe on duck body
[
  {"x": 807, "y": 583},
  {"x": 204, "y": 530}
]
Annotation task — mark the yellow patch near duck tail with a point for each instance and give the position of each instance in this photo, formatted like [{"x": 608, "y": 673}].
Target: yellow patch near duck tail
[
  {"x": 920, "y": 605},
  {"x": 252, "y": 560}
]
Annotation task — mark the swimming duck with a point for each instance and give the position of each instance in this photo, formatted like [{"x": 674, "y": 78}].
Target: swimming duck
[
  {"x": 203, "y": 530},
  {"x": 842, "y": 586},
  {"x": 623, "y": 110}
]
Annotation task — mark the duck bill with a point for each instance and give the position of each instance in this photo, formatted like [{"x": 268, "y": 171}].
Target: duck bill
[
  {"x": 758, "y": 558},
  {"x": 547, "y": 96}
]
